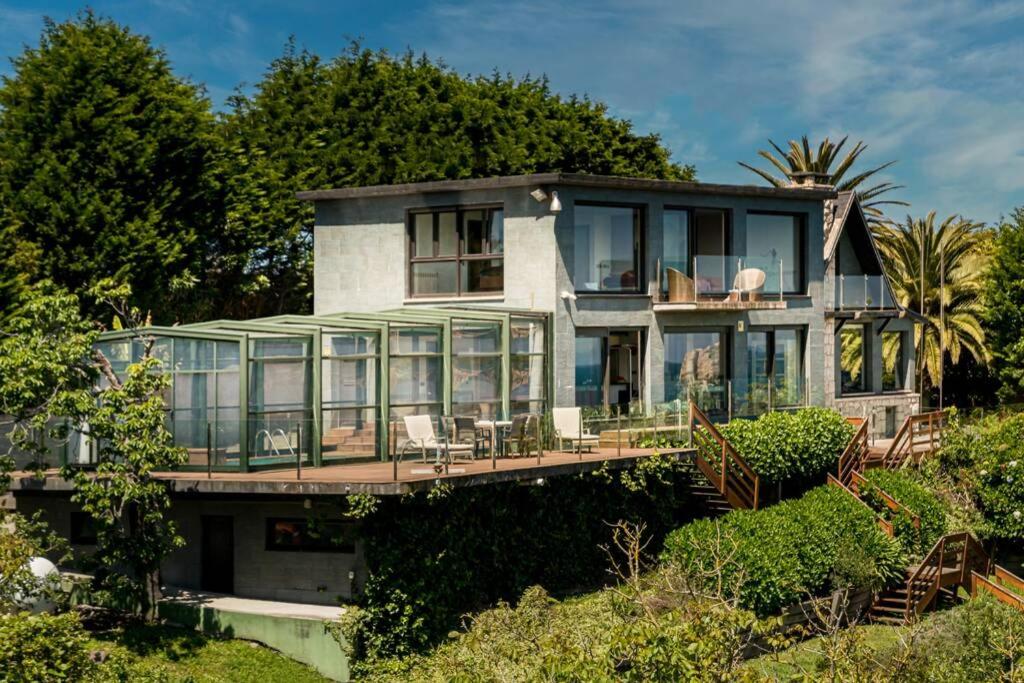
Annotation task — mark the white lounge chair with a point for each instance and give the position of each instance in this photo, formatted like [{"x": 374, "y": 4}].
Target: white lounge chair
[
  {"x": 569, "y": 427},
  {"x": 749, "y": 281},
  {"x": 420, "y": 429}
]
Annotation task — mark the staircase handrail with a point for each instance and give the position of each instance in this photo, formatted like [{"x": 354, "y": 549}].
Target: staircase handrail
[
  {"x": 858, "y": 480},
  {"x": 924, "y": 583},
  {"x": 902, "y": 446},
  {"x": 884, "y": 524},
  {"x": 1001, "y": 593},
  {"x": 853, "y": 457},
  {"x": 722, "y": 464}
]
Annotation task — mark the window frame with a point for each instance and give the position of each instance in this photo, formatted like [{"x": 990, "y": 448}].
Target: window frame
[
  {"x": 459, "y": 257},
  {"x": 770, "y": 330},
  {"x": 728, "y": 227},
  {"x": 347, "y": 548},
  {"x": 639, "y": 247},
  {"x": 900, "y": 369},
  {"x": 802, "y": 235},
  {"x": 865, "y": 368}
]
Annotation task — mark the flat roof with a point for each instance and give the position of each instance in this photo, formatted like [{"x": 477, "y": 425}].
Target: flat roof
[{"x": 572, "y": 179}]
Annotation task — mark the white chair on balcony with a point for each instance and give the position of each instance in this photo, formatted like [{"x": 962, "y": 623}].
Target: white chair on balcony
[
  {"x": 569, "y": 427},
  {"x": 420, "y": 430},
  {"x": 749, "y": 282}
]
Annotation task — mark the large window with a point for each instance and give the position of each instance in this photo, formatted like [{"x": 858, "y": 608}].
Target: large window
[
  {"x": 476, "y": 368},
  {"x": 675, "y": 245},
  {"x": 695, "y": 362},
  {"x": 280, "y": 385},
  {"x": 529, "y": 374},
  {"x": 854, "y": 363},
  {"x": 349, "y": 386},
  {"x": 893, "y": 368},
  {"x": 775, "y": 373},
  {"x": 456, "y": 252},
  {"x": 606, "y": 244},
  {"x": 774, "y": 246}
]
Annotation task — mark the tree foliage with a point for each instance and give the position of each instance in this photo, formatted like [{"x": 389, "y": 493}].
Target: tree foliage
[
  {"x": 366, "y": 118},
  {"x": 800, "y": 160},
  {"x": 106, "y": 164},
  {"x": 1004, "y": 305},
  {"x": 953, "y": 310}
]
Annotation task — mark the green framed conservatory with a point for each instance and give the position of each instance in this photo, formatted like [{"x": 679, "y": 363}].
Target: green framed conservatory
[{"x": 334, "y": 389}]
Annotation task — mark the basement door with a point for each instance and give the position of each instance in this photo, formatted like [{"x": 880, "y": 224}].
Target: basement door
[{"x": 217, "y": 554}]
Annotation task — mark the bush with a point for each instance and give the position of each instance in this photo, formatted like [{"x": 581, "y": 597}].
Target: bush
[
  {"x": 791, "y": 445},
  {"x": 784, "y": 553},
  {"x": 43, "y": 647},
  {"x": 989, "y": 457},
  {"x": 917, "y": 498}
]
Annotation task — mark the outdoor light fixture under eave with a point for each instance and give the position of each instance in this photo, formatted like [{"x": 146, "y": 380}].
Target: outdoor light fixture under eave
[{"x": 540, "y": 195}]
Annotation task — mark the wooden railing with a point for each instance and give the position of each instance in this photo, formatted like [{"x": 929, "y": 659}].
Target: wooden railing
[
  {"x": 919, "y": 436},
  {"x": 719, "y": 461},
  {"x": 999, "y": 588},
  {"x": 884, "y": 524},
  {"x": 952, "y": 561},
  {"x": 854, "y": 456},
  {"x": 857, "y": 483}
]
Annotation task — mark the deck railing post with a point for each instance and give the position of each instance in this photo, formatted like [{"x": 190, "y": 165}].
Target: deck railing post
[
  {"x": 394, "y": 455},
  {"x": 579, "y": 439},
  {"x": 618, "y": 434},
  {"x": 298, "y": 450},
  {"x": 494, "y": 445},
  {"x": 539, "y": 450},
  {"x": 209, "y": 453},
  {"x": 842, "y": 286}
]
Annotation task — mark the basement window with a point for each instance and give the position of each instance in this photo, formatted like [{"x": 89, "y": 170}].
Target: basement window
[{"x": 305, "y": 535}]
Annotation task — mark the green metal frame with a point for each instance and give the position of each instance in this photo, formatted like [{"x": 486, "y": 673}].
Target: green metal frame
[{"x": 314, "y": 327}]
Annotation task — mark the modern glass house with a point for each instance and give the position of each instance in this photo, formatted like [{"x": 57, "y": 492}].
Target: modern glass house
[{"x": 248, "y": 395}]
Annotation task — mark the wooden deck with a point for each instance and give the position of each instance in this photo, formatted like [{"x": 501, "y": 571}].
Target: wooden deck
[{"x": 379, "y": 478}]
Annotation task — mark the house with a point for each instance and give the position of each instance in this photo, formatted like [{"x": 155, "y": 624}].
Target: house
[
  {"x": 812, "y": 331},
  {"x": 490, "y": 298}
]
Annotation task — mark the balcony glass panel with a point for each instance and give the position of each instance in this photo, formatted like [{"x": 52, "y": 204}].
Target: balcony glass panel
[{"x": 862, "y": 292}]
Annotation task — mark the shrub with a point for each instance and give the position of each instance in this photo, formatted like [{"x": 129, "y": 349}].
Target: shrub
[
  {"x": 917, "y": 498},
  {"x": 789, "y": 445},
  {"x": 43, "y": 647},
  {"x": 786, "y": 552}
]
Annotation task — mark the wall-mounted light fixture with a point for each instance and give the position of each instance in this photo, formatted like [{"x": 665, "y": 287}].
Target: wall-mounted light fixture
[
  {"x": 568, "y": 296},
  {"x": 541, "y": 196}
]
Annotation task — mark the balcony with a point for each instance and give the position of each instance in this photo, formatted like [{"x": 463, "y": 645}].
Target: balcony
[
  {"x": 729, "y": 283},
  {"x": 862, "y": 292}
]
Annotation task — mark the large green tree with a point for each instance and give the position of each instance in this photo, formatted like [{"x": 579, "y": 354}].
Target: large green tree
[
  {"x": 106, "y": 164},
  {"x": 367, "y": 118},
  {"x": 953, "y": 310},
  {"x": 1004, "y": 305}
]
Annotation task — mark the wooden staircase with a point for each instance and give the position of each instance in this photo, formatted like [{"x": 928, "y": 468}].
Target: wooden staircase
[
  {"x": 950, "y": 564},
  {"x": 705, "y": 495},
  {"x": 918, "y": 438},
  {"x": 1004, "y": 585},
  {"x": 721, "y": 464},
  {"x": 854, "y": 458}
]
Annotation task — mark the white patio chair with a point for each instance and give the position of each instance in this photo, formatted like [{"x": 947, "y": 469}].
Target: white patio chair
[
  {"x": 420, "y": 429},
  {"x": 569, "y": 427},
  {"x": 749, "y": 281}
]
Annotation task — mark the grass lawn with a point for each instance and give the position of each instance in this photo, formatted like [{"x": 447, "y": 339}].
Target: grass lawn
[
  {"x": 805, "y": 656},
  {"x": 165, "y": 653}
]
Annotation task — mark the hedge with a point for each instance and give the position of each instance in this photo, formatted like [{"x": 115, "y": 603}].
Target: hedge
[
  {"x": 791, "y": 445},
  {"x": 915, "y": 497},
  {"x": 43, "y": 647},
  {"x": 791, "y": 550}
]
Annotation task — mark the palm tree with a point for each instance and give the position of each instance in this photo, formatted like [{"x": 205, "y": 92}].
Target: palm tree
[
  {"x": 800, "y": 164},
  {"x": 955, "y": 319}
]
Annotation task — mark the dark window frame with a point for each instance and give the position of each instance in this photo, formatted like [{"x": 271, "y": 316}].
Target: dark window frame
[
  {"x": 639, "y": 247},
  {"x": 865, "y": 366},
  {"x": 315, "y": 546},
  {"x": 802, "y": 238},
  {"x": 459, "y": 257},
  {"x": 900, "y": 369},
  {"x": 802, "y": 330},
  {"x": 728, "y": 225}
]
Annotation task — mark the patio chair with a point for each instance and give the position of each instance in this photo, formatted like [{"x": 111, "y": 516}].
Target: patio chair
[
  {"x": 748, "y": 281},
  {"x": 465, "y": 431},
  {"x": 420, "y": 429},
  {"x": 680, "y": 287},
  {"x": 569, "y": 427},
  {"x": 520, "y": 435}
]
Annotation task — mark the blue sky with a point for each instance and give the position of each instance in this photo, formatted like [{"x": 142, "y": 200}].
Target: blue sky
[{"x": 937, "y": 85}]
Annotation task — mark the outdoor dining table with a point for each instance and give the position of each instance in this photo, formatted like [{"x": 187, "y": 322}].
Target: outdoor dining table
[{"x": 493, "y": 426}]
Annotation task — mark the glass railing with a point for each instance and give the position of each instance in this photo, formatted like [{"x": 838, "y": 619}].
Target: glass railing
[
  {"x": 721, "y": 277},
  {"x": 349, "y": 433},
  {"x": 861, "y": 292},
  {"x": 279, "y": 438}
]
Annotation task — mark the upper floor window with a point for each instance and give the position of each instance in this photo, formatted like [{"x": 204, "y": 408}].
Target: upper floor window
[
  {"x": 606, "y": 245},
  {"x": 457, "y": 252},
  {"x": 775, "y": 246}
]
